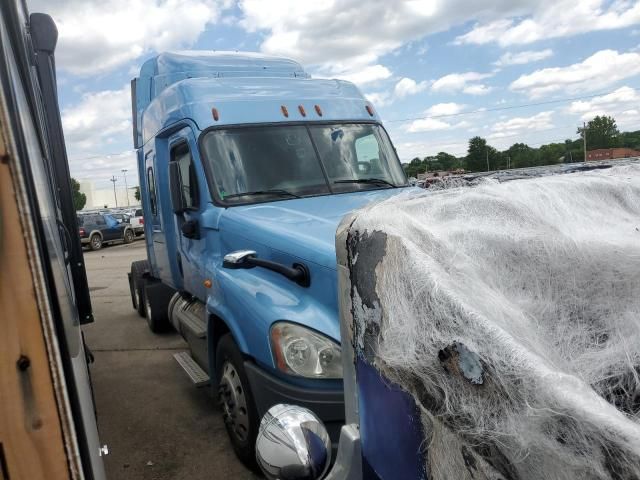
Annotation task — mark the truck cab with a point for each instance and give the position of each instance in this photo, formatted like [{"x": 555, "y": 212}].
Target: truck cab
[{"x": 247, "y": 166}]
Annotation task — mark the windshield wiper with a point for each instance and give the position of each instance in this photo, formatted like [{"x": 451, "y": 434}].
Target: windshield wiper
[
  {"x": 373, "y": 181},
  {"x": 275, "y": 191}
]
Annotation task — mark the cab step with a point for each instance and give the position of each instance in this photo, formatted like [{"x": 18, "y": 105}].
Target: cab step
[{"x": 195, "y": 372}]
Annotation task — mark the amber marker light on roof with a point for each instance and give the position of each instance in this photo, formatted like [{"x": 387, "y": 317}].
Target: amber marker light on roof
[
  {"x": 285, "y": 112},
  {"x": 369, "y": 109},
  {"x": 214, "y": 112},
  {"x": 318, "y": 111},
  {"x": 301, "y": 110}
]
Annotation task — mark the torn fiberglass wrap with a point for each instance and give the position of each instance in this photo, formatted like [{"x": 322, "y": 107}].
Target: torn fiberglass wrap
[{"x": 510, "y": 312}]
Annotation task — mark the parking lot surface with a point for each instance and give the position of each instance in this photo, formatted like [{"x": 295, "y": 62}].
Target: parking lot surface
[{"x": 155, "y": 423}]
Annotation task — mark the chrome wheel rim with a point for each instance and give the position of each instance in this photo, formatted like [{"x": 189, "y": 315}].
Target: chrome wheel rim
[
  {"x": 234, "y": 403},
  {"x": 95, "y": 242}
]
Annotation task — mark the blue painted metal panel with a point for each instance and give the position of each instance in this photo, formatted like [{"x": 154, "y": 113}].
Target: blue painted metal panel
[
  {"x": 390, "y": 428},
  {"x": 254, "y": 100},
  {"x": 290, "y": 231}
]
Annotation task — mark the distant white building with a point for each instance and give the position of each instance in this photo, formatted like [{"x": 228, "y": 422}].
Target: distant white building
[{"x": 104, "y": 197}]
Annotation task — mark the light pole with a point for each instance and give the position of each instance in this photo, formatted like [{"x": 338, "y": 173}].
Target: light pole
[
  {"x": 126, "y": 187},
  {"x": 114, "y": 180},
  {"x": 584, "y": 139}
]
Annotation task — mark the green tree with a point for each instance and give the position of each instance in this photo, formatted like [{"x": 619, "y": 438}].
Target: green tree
[
  {"x": 79, "y": 198},
  {"x": 415, "y": 166},
  {"x": 551, "y": 154},
  {"x": 477, "y": 155},
  {"x": 448, "y": 161},
  {"x": 602, "y": 132},
  {"x": 136, "y": 193}
]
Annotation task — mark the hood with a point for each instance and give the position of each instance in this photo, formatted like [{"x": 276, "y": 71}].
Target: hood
[{"x": 302, "y": 227}]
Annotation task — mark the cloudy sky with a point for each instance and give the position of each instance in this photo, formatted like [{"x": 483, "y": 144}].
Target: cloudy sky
[{"x": 438, "y": 71}]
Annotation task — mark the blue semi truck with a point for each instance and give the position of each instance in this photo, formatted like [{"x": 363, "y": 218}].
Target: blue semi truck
[{"x": 247, "y": 166}]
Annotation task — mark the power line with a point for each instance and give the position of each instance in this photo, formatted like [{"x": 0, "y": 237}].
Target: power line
[{"x": 497, "y": 109}]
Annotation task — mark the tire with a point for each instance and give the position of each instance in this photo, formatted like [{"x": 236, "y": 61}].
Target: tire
[
  {"x": 138, "y": 281},
  {"x": 128, "y": 236},
  {"x": 156, "y": 305},
  {"x": 132, "y": 292},
  {"x": 95, "y": 242},
  {"x": 236, "y": 400}
]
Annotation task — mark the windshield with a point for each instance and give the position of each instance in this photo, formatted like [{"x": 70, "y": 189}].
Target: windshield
[{"x": 252, "y": 164}]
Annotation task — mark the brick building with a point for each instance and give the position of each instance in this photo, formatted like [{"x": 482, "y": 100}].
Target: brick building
[{"x": 611, "y": 153}]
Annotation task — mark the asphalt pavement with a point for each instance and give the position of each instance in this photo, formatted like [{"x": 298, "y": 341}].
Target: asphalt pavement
[{"x": 157, "y": 425}]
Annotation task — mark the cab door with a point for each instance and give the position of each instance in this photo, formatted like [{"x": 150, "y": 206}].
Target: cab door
[{"x": 189, "y": 197}]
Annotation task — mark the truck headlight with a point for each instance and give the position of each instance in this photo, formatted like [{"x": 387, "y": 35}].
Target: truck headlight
[{"x": 304, "y": 352}]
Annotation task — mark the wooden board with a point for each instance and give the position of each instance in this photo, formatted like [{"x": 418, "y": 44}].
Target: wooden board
[{"x": 31, "y": 442}]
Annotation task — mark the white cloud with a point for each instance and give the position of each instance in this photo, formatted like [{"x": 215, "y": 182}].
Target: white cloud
[
  {"x": 519, "y": 125},
  {"x": 477, "y": 89},
  {"x": 407, "y": 86},
  {"x": 379, "y": 99},
  {"x": 368, "y": 74},
  {"x": 521, "y": 58},
  {"x": 465, "y": 82},
  {"x": 410, "y": 150},
  {"x": 95, "y": 37},
  {"x": 99, "y": 169},
  {"x": 324, "y": 32},
  {"x": 623, "y": 104},
  {"x": 443, "y": 109},
  {"x": 434, "y": 124},
  {"x": 600, "y": 70},
  {"x": 552, "y": 19},
  {"x": 427, "y": 125},
  {"x": 99, "y": 119}
]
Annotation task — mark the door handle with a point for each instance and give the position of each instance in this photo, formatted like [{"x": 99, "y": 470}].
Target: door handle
[{"x": 191, "y": 229}]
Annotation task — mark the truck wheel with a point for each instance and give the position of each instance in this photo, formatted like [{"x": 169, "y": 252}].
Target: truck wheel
[
  {"x": 137, "y": 284},
  {"x": 128, "y": 236},
  {"x": 95, "y": 242},
  {"x": 238, "y": 408},
  {"x": 156, "y": 306}
]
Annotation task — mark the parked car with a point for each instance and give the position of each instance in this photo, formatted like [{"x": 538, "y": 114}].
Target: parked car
[
  {"x": 137, "y": 221},
  {"x": 121, "y": 217},
  {"x": 97, "y": 229}
]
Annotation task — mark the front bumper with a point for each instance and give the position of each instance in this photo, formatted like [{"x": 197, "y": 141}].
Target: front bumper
[{"x": 269, "y": 390}]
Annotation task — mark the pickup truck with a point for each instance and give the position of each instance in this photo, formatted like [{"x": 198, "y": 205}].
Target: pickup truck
[
  {"x": 136, "y": 220},
  {"x": 247, "y": 166}
]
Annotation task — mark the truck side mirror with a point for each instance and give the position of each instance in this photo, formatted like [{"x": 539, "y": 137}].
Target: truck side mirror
[{"x": 174, "y": 187}]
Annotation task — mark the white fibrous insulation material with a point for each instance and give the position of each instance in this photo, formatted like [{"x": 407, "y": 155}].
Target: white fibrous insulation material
[{"x": 511, "y": 312}]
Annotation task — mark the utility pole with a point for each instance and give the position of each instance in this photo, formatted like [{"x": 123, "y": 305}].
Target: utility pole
[
  {"x": 126, "y": 187},
  {"x": 487, "y": 150},
  {"x": 584, "y": 139},
  {"x": 508, "y": 162},
  {"x": 114, "y": 180}
]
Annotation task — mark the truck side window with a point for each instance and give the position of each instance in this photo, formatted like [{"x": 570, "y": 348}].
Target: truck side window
[
  {"x": 367, "y": 153},
  {"x": 151, "y": 182},
  {"x": 188, "y": 182},
  {"x": 99, "y": 219}
]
